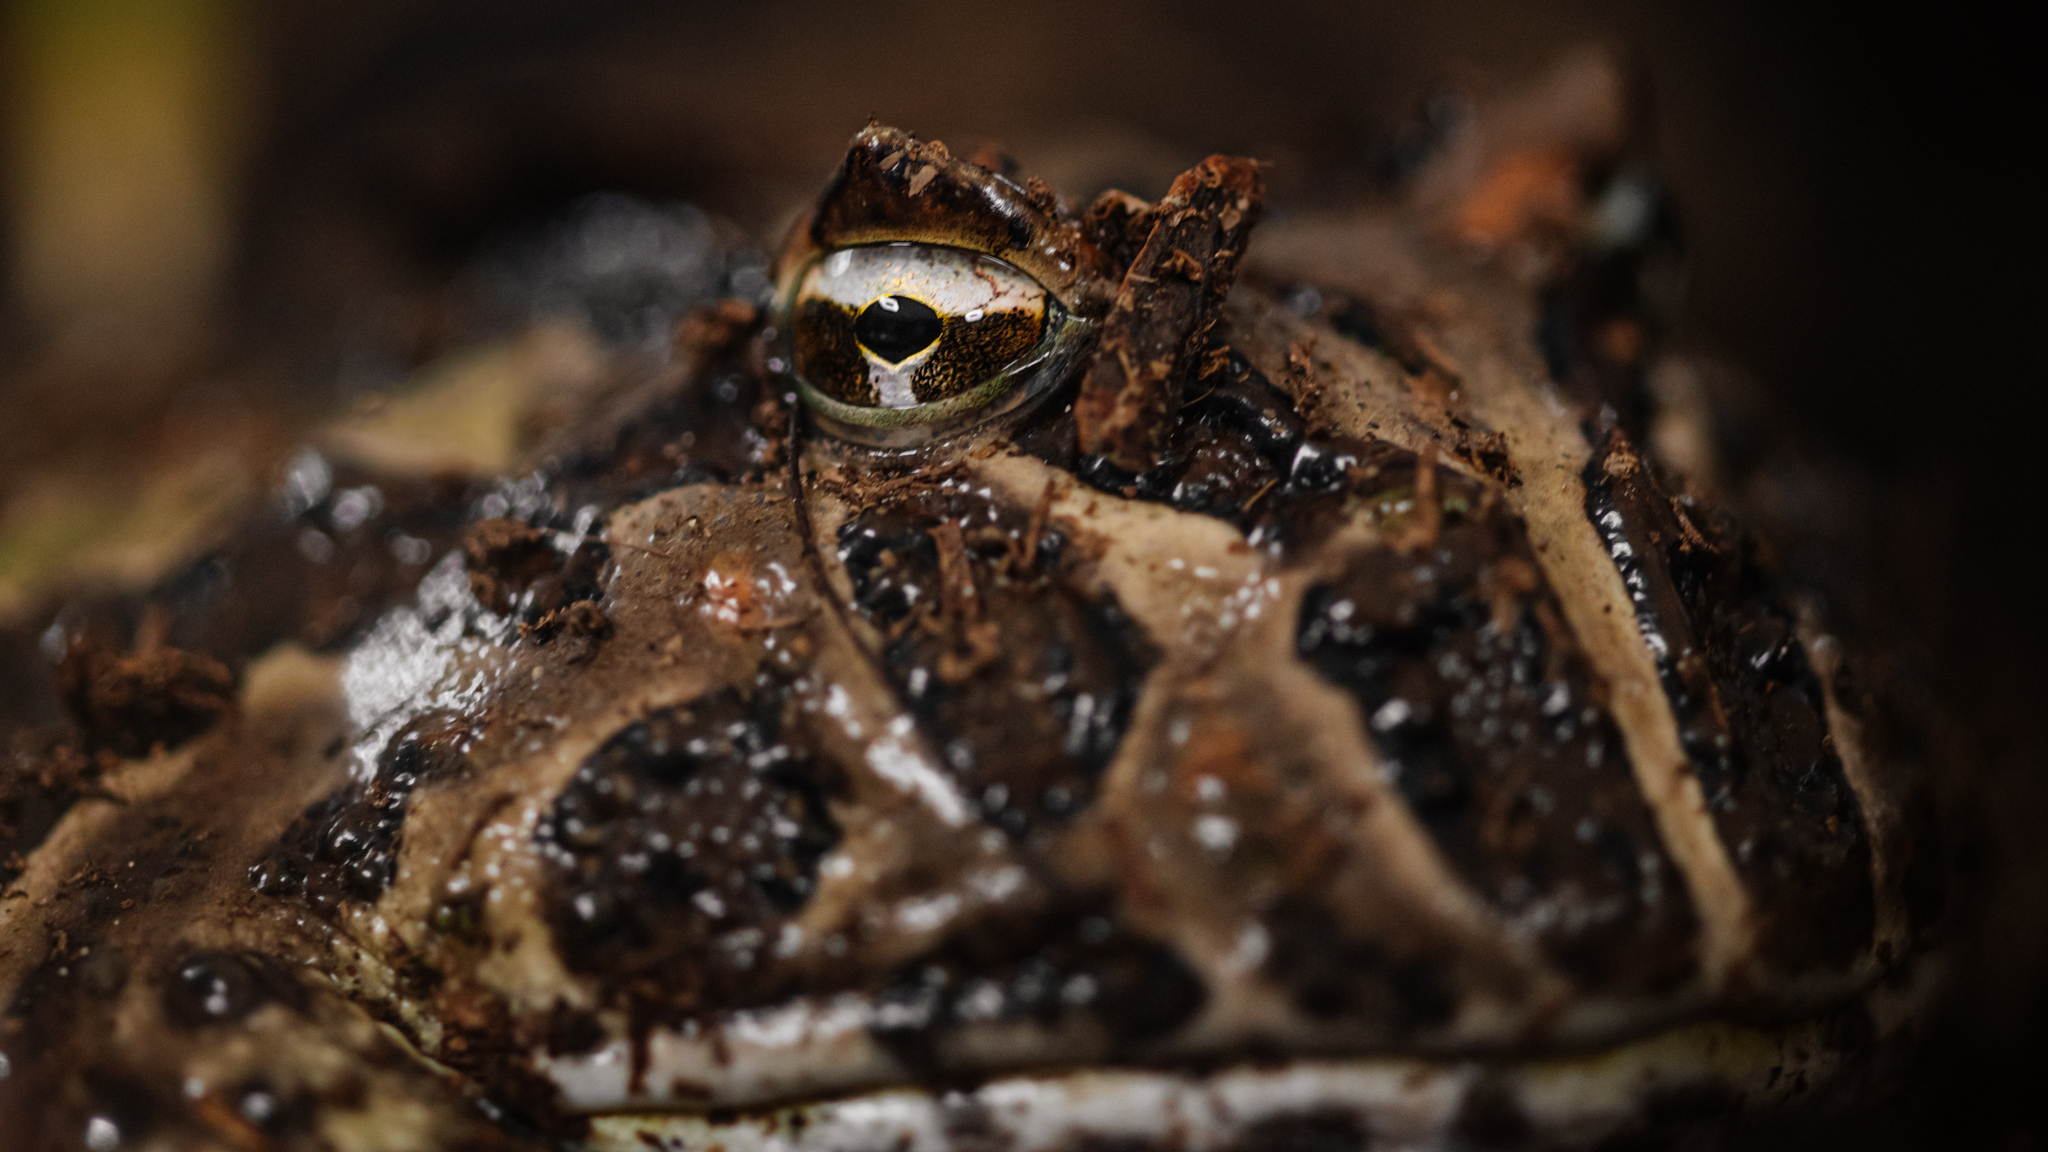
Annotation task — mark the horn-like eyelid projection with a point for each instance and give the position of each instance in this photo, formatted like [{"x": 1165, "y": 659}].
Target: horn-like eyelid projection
[{"x": 895, "y": 344}]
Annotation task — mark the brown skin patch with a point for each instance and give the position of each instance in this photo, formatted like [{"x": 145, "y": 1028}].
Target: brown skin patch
[
  {"x": 152, "y": 951},
  {"x": 1070, "y": 961},
  {"x": 346, "y": 846},
  {"x": 1236, "y": 450},
  {"x": 1131, "y": 391},
  {"x": 1750, "y": 711},
  {"x": 213, "y": 987}
]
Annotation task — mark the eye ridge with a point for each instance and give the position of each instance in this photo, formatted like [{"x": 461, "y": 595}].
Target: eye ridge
[{"x": 895, "y": 328}]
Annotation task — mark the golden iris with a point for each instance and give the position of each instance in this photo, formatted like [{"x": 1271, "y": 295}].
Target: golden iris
[{"x": 896, "y": 336}]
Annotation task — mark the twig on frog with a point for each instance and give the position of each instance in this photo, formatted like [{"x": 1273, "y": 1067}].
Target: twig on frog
[
  {"x": 802, "y": 513},
  {"x": 1035, "y": 528},
  {"x": 1429, "y": 512},
  {"x": 1260, "y": 494},
  {"x": 1131, "y": 390}
]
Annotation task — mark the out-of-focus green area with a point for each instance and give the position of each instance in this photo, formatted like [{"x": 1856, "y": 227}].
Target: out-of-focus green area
[
  {"x": 123, "y": 132},
  {"x": 122, "y": 135}
]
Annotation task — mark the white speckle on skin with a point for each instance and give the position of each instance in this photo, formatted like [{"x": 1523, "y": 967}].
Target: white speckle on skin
[
  {"x": 1216, "y": 833},
  {"x": 1391, "y": 715},
  {"x": 926, "y": 914},
  {"x": 896, "y": 761},
  {"x": 1000, "y": 884},
  {"x": 1252, "y": 946}
]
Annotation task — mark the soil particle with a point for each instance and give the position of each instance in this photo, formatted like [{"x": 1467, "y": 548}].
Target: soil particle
[
  {"x": 579, "y": 627},
  {"x": 1119, "y": 224},
  {"x": 42, "y": 773},
  {"x": 132, "y": 703},
  {"x": 505, "y": 558},
  {"x": 517, "y": 570}
]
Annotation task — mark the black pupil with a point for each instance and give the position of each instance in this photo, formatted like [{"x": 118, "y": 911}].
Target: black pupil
[{"x": 896, "y": 327}]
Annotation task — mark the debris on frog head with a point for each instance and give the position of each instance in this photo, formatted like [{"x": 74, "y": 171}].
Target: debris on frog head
[
  {"x": 505, "y": 557},
  {"x": 132, "y": 703},
  {"x": 518, "y": 570},
  {"x": 580, "y": 627},
  {"x": 42, "y": 773},
  {"x": 748, "y": 596},
  {"x": 1119, "y": 224},
  {"x": 1131, "y": 392},
  {"x": 972, "y": 642}
]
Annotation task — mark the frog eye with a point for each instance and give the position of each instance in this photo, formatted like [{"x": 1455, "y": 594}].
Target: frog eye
[{"x": 901, "y": 343}]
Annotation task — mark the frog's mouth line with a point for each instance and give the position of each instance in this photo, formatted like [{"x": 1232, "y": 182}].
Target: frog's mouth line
[
  {"x": 1714, "y": 1068},
  {"x": 1703, "y": 1070}
]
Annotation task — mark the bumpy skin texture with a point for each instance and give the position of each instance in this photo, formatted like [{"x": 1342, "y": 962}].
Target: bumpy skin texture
[{"x": 1405, "y": 730}]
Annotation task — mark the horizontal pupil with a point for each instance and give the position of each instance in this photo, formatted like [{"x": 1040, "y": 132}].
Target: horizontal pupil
[{"x": 896, "y": 327}]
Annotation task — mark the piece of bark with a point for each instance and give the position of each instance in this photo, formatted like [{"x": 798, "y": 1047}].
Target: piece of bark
[
  {"x": 1119, "y": 224},
  {"x": 1132, "y": 389}
]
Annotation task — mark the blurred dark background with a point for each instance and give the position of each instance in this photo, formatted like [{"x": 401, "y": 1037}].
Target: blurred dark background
[{"x": 213, "y": 207}]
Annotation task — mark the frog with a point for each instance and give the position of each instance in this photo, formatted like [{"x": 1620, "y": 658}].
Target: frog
[{"x": 1136, "y": 675}]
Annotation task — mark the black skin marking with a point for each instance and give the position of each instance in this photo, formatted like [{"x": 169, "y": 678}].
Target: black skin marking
[
  {"x": 1492, "y": 723},
  {"x": 1748, "y": 705}
]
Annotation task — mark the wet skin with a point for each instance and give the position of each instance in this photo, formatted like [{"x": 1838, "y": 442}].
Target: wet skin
[{"x": 1254, "y": 684}]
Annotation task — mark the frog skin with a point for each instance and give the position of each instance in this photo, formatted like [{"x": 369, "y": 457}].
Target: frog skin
[{"x": 1309, "y": 719}]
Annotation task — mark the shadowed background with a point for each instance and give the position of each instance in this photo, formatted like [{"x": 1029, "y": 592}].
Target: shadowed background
[{"x": 225, "y": 217}]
